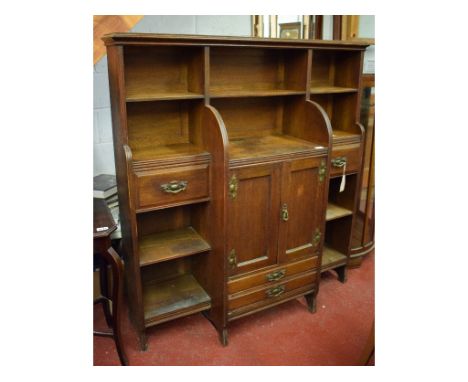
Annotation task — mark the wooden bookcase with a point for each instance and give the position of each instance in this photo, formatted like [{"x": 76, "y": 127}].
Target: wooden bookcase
[{"x": 224, "y": 148}]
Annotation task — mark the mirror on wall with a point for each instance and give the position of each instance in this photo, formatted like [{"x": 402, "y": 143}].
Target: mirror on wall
[{"x": 287, "y": 27}]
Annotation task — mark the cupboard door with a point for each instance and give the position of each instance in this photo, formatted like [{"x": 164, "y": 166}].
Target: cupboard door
[
  {"x": 303, "y": 189},
  {"x": 253, "y": 215}
]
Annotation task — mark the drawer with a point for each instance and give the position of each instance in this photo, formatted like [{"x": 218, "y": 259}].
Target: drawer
[
  {"x": 271, "y": 293},
  {"x": 173, "y": 186},
  {"x": 272, "y": 275},
  {"x": 351, "y": 154}
]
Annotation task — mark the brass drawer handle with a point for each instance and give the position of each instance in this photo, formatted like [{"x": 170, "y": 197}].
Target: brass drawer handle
[
  {"x": 275, "y": 276},
  {"x": 275, "y": 292},
  {"x": 338, "y": 162},
  {"x": 285, "y": 213},
  {"x": 174, "y": 187}
]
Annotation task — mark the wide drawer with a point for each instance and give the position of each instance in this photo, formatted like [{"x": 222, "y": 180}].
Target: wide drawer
[
  {"x": 345, "y": 155},
  {"x": 272, "y": 275},
  {"x": 173, "y": 186},
  {"x": 270, "y": 293}
]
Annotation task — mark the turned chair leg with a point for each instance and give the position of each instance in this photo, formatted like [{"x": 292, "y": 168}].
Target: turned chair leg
[
  {"x": 114, "y": 260},
  {"x": 104, "y": 285}
]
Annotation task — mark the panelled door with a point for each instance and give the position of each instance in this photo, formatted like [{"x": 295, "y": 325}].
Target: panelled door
[
  {"x": 302, "y": 202},
  {"x": 253, "y": 215}
]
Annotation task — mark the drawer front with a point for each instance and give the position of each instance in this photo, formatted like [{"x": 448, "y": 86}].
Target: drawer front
[
  {"x": 174, "y": 186},
  {"x": 271, "y": 293},
  {"x": 272, "y": 275},
  {"x": 349, "y": 154}
]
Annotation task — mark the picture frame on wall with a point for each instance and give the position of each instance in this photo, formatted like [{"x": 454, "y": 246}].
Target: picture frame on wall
[{"x": 290, "y": 30}]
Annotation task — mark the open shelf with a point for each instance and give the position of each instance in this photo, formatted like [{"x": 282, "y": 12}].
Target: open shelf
[
  {"x": 332, "y": 258},
  {"x": 178, "y": 150},
  {"x": 240, "y": 71},
  {"x": 163, "y": 129},
  {"x": 164, "y": 246},
  {"x": 341, "y": 109},
  {"x": 334, "y": 69},
  {"x": 226, "y": 93},
  {"x": 172, "y": 298},
  {"x": 334, "y": 211},
  {"x": 331, "y": 90},
  {"x": 147, "y": 95},
  {"x": 266, "y": 127},
  {"x": 270, "y": 146},
  {"x": 159, "y": 72}
]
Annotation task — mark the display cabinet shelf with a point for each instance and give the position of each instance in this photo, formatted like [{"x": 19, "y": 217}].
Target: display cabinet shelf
[
  {"x": 331, "y": 90},
  {"x": 175, "y": 297},
  {"x": 270, "y": 146},
  {"x": 170, "y": 245},
  {"x": 226, "y": 93},
  {"x": 335, "y": 212},
  {"x": 332, "y": 258},
  {"x": 151, "y": 95}
]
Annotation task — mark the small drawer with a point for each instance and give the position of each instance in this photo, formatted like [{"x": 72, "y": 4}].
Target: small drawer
[
  {"x": 348, "y": 155},
  {"x": 271, "y": 293},
  {"x": 272, "y": 275},
  {"x": 173, "y": 186}
]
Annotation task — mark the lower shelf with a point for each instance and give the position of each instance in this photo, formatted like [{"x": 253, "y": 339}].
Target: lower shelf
[
  {"x": 331, "y": 258},
  {"x": 335, "y": 211},
  {"x": 173, "y": 298}
]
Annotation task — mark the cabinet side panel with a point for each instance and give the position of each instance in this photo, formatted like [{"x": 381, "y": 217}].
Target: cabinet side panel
[
  {"x": 124, "y": 184},
  {"x": 210, "y": 220}
]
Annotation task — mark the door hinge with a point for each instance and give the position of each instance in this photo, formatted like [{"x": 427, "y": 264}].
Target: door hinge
[
  {"x": 322, "y": 171},
  {"x": 232, "y": 259},
  {"x": 316, "y": 238},
  {"x": 233, "y": 184},
  {"x": 285, "y": 213}
]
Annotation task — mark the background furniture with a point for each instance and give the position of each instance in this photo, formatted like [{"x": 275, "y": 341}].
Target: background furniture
[
  {"x": 363, "y": 231},
  {"x": 222, "y": 165},
  {"x": 105, "y": 256}
]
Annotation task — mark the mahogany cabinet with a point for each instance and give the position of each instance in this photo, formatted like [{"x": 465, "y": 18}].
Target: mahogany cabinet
[{"x": 224, "y": 149}]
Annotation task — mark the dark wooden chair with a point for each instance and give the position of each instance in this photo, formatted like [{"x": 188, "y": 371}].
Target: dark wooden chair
[{"x": 105, "y": 256}]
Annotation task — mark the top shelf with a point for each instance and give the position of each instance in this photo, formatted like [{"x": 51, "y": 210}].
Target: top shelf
[
  {"x": 226, "y": 93},
  {"x": 331, "y": 90},
  {"x": 142, "y": 95}
]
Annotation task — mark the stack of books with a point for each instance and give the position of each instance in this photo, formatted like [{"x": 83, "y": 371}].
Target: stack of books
[{"x": 105, "y": 187}]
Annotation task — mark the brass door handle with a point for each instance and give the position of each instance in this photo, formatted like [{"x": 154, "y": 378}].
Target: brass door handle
[
  {"x": 275, "y": 276},
  {"x": 275, "y": 292},
  {"x": 285, "y": 213},
  {"x": 338, "y": 162},
  {"x": 174, "y": 187}
]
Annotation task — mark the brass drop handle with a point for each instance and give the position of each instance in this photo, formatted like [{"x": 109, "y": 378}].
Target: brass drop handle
[
  {"x": 285, "y": 213},
  {"x": 275, "y": 276},
  {"x": 275, "y": 292},
  {"x": 338, "y": 162},
  {"x": 174, "y": 187}
]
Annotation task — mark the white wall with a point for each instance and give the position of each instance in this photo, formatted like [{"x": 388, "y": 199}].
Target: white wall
[{"x": 208, "y": 25}]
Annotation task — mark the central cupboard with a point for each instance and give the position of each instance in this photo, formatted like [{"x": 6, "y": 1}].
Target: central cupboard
[{"x": 223, "y": 166}]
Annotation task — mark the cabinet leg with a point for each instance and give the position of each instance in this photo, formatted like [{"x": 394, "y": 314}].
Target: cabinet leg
[
  {"x": 342, "y": 273},
  {"x": 311, "y": 302},
  {"x": 143, "y": 340},
  {"x": 223, "y": 337}
]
